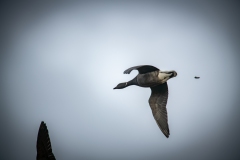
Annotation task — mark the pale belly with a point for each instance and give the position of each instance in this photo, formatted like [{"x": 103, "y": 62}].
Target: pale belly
[
  {"x": 163, "y": 77},
  {"x": 152, "y": 79}
]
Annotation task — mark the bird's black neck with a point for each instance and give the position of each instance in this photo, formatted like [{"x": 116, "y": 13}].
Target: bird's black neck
[{"x": 133, "y": 82}]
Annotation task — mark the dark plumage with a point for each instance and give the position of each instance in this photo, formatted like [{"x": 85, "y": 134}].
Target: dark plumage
[
  {"x": 150, "y": 76},
  {"x": 141, "y": 69},
  {"x": 196, "y": 77},
  {"x": 44, "y": 149}
]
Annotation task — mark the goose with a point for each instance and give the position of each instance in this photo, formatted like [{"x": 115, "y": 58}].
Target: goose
[
  {"x": 44, "y": 149},
  {"x": 150, "y": 76},
  {"x": 196, "y": 77}
]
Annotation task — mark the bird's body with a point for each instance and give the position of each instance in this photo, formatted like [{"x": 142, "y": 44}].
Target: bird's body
[
  {"x": 196, "y": 77},
  {"x": 152, "y": 79},
  {"x": 150, "y": 76},
  {"x": 44, "y": 149}
]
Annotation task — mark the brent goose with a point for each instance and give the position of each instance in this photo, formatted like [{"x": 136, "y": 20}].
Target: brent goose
[{"x": 150, "y": 76}]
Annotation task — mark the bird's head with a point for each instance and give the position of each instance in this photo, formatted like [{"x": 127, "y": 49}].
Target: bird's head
[{"x": 121, "y": 85}]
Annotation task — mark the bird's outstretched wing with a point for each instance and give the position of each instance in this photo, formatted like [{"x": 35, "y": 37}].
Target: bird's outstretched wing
[
  {"x": 158, "y": 102},
  {"x": 141, "y": 69},
  {"x": 44, "y": 149}
]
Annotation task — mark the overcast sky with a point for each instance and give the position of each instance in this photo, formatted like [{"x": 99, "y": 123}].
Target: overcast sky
[{"x": 61, "y": 61}]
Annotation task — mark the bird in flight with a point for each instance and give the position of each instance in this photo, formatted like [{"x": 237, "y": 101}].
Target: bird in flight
[
  {"x": 150, "y": 76},
  {"x": 196, "y": 77},
  {"x": 44, "y": 149}
]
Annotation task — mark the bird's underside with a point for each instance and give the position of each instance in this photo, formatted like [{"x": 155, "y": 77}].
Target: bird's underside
[
  {"x": 44, "y": 149},
  {"x": 158, "y": 102}
]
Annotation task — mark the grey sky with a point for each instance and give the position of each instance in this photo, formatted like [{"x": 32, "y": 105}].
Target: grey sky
[{"x": 62, "y": 61}]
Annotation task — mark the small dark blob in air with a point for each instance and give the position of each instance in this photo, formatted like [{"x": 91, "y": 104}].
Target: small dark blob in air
[{"x": 196, "y": 77}]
